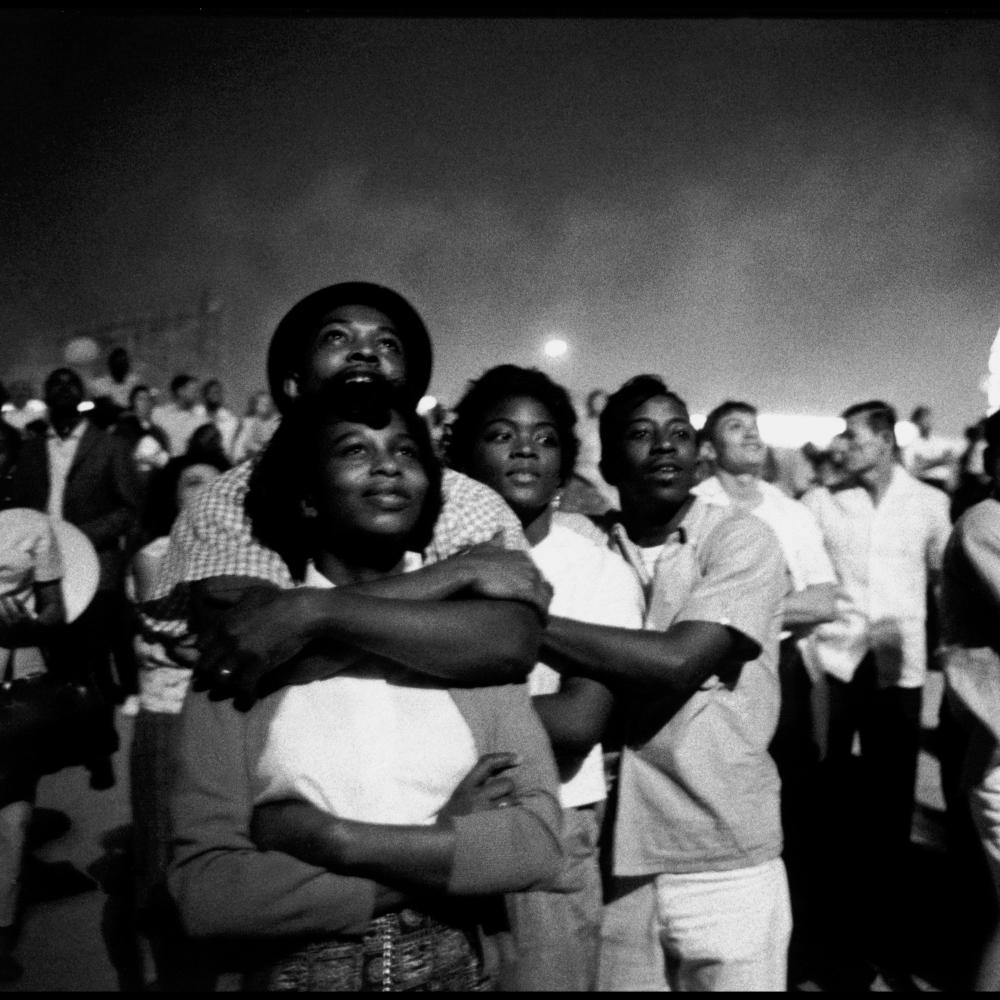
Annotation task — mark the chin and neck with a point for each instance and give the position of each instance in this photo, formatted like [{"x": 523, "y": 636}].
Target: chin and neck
[{"x": 650, "y": 523}]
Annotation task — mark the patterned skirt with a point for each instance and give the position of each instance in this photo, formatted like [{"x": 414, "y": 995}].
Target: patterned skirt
[{"x": 404, "y": 952}]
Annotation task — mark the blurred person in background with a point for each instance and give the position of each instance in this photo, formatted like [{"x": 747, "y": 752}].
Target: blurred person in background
[
  {"x": 22, "y": 411},
  {"x": 732, "y": 442},
  {"x": 87, "y": 477},
  {"x": 928, "y": 457},
  {"x": 885, "y": 536},
  {"x": 257, "y": 426},
  {"x": 212, "y": 397},
  {"x": 31, "y": 613},
  {"x": 182, "y": 415},
  {"x": 117, "y": 386},
  {"x": 172, "y": 490},
  {"x": 149, "y": 441}
]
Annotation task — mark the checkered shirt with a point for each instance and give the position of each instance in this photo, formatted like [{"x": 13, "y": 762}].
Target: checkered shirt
[{"x": 213, "y": 538}]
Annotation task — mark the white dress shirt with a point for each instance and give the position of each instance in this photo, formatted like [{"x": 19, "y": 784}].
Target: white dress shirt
[{"x": 882, "y": 555}]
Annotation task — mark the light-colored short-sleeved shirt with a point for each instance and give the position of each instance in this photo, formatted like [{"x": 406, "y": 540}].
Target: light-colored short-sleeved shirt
[
  {"x": 882, "y": 555},
  {"x": 798, "y": 533},
  {"x": 701, "y": 792},
  {"x": 395, "y": 745},
  {"x": 590, "y": 584}
]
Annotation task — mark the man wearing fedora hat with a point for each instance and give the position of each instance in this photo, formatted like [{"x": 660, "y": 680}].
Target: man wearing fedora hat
[{"x": 360, "y": 333}]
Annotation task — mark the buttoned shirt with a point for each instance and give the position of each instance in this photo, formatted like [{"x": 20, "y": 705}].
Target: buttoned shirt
[
  {"x": 700, "y": 792},
  {"x": 61, "y": 451},
  {"x": 882, "y": 554},
  {"x": 212, "y": 537}
]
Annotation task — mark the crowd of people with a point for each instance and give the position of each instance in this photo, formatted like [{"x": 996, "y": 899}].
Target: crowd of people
[{"x": 507, "y": 696}]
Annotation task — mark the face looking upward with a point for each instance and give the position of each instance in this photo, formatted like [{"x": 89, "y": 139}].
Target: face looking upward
[
  {"x": 519, "y": 454},
  {"x": 656, "y": 457},
  {"x": 371, "y": 482},
  {"x": 865, "y": 448},
  {"x": 736, "y": 444},
  {"x": 354, "y": 337}
]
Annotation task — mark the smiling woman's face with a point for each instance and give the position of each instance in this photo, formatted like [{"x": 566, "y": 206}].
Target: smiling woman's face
[
  {"x": 657, "y": 455},
  {"x": 371, "y": 482},
  {"x": 518, "y": 453}
]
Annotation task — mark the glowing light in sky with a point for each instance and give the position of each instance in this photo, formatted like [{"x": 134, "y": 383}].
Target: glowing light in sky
[{"x": 556, "y": 347}]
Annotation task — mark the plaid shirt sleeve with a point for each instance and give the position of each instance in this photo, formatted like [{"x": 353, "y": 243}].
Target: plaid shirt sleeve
[
  {"x": 212, "y": 538},
  {"x": 471, "y": 513}
]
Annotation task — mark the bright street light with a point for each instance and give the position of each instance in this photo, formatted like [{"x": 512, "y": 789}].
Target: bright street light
[{"x": 555, "y": 348}]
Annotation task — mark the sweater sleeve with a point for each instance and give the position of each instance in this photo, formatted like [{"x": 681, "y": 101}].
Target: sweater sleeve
[
  {"x": 223, "y": 885},
  {"x": 503, "y": 850}
]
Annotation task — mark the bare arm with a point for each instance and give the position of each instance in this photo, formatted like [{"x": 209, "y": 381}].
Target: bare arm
[
  {"x": 251, "y": 629},
  {"x": 576, "y": 716},
  {"x": 670, "y": 663},
  {"x": 810, "y": 606}
]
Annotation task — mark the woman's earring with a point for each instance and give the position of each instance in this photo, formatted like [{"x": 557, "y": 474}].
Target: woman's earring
[{"x": 556, "y": 500}]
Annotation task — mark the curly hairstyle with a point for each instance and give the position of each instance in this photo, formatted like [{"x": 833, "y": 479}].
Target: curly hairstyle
[
  {"x": 506, "y": 382},
  {"x": 285, "y": 475}
]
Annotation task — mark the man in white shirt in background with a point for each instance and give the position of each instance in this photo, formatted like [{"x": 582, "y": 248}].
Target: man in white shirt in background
[
  {"x": 886, "y": 536},
  {"x": 731, "y": 441},
  {"x": 183, "y": 415},
  {"x": 932, "y": 459}
]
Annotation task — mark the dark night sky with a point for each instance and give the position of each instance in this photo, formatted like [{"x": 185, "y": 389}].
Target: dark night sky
[{"x": 801, "y": 213}]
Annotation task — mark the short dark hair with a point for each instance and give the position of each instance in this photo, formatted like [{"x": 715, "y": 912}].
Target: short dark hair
[
  {"x": 505, "y": 382},
  {"x": 723, "y": 410},
  {"x": 179, "y": 381},
  {"x": 282, "y": 478},
  {"x": 293, "y": 337},
  {"x": 880, "y": 417},
  {"x": 622, "y": 403}
]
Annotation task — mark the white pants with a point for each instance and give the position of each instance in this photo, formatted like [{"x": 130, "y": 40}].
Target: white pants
[{"x": 705, "y": 931}]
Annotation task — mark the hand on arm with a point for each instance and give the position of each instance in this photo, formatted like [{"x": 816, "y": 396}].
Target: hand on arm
[{"x": 407, "y": 858}]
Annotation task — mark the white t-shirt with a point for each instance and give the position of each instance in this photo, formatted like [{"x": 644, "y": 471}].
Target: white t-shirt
[
  {"x": 591, "y": 584},
  {"x": 394, "y": 745}
]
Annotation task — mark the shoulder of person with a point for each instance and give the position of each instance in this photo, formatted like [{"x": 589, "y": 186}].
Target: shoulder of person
[
  {"x": 583, "y": 526},
  {"x": 734, "y": 529}
]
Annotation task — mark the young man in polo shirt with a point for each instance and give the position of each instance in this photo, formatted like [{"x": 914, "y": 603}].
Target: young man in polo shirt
[{"x": 699, "y": 896}]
